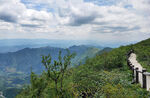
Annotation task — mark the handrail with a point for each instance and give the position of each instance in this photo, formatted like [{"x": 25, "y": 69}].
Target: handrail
[{"x": 140, "y": 74}]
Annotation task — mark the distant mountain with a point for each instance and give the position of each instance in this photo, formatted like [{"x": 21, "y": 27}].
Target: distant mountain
[
  {"x": 105, "y": 75},
  {"x": 83, "y": 52},
  {"x": 13, "y": 45},
  {"x": 20, "y": 42},
  {"x": 5, "y": 49},
  {"x": 107, "y": 49},
  {"x": 15, "y": 67},
  {"x": 23, "y": 60}
]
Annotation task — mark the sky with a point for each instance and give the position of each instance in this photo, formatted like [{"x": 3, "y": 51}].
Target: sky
[{"x": 111, "y": 21}]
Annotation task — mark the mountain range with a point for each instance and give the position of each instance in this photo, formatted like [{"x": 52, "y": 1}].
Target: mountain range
[
  {"x": 22, "y": 60},
  {"x": 104, "y": 75},
  {"x": 13, "y": 45},
  {"x": 16, "y": 61}
]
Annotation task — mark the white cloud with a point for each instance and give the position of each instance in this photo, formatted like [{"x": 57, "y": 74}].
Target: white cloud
[
  {"x": 125, "y": 20},
  {"x": 10, "y": 11}
]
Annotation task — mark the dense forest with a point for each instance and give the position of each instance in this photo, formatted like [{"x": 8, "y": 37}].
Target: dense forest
[{"x": 106, "y": 76}]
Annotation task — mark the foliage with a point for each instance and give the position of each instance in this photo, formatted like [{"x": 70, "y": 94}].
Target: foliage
[
  {"x": 142, "y": 50},
  {"x": 104, "y": 76},
  {"x": 55, "y": 73},
  {"x": 31, "y": 57},
  {"x": 57, "y": 70}
]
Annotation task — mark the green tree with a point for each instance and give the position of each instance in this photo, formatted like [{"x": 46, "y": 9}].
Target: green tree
[{"x": 57, "y": 69}]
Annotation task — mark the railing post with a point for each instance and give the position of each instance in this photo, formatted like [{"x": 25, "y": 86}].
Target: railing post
[
  {"x": 133, "y": 74},
  {"x": 127, "y": 61},
  {"x": 132, "y": 67},
  {"x": 144, "y": 78},
  {"x": 137, "y": 75}
]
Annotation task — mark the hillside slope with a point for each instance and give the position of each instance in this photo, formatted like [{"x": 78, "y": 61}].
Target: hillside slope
[
  {"x": 23, "y": 60},
  {"x": 105, "y": 75},
  {"x": 15, "y": 67},
  {"x": 142, "y": 49}
]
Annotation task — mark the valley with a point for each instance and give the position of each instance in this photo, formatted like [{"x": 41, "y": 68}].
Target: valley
[{"x": 15, "y": 67}]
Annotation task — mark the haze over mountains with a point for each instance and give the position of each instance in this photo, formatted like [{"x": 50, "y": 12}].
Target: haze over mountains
[
  {"x": 18, "y": 56},
  {"x": 13, "y": 45},
  {"x": 26, "y": 58},
  {"x": 16, "y": 66}
]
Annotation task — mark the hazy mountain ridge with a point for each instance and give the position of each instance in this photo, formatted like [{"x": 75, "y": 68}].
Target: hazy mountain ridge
[
  {"x": 26, "y": 58},
  {"x": 15, "y": 67},
  {"x": 13, "y": 45},
  {"x": 105, "y": 75}
]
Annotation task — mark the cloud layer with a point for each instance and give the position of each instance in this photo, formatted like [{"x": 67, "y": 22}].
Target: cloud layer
[{"x": 99, "y": 20}]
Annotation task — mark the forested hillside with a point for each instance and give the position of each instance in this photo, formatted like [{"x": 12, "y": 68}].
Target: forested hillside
[
  {"x": 105, "y": 75},
  {"x": 15, "y": 67},
  {"x": 23, "y": 60},
  {"x": 142, "y": 50}
]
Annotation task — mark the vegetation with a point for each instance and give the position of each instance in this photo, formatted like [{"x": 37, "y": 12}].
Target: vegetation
[
  {"x": 142, "y": 50},
  {"x": 106, "y": 75},
  {"x": 15, "y": 66},
  {"x": 31, "y": 57},
  {"x": 11, "y": 84}
]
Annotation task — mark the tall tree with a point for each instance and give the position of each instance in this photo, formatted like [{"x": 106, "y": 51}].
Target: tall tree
[{"x": 57, "y": 69}]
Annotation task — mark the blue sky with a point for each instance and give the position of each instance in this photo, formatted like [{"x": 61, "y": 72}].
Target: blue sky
[{"x": 111, "y": 21}]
